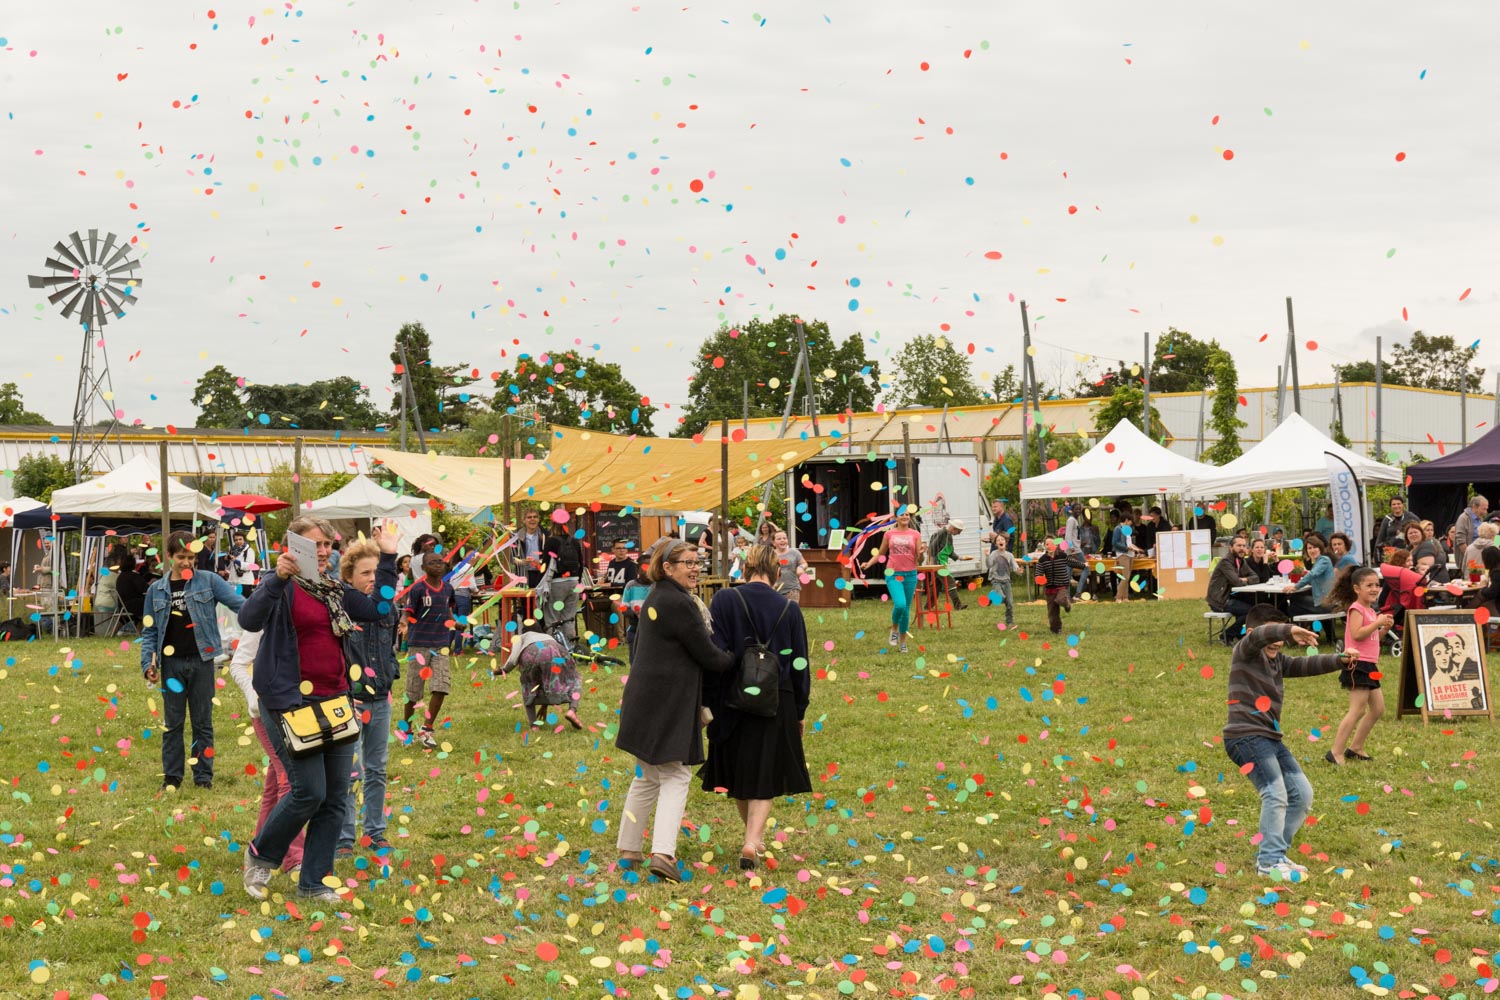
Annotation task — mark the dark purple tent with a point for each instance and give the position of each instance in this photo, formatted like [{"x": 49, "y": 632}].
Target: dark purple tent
[{"x": 1440, "y": 489}]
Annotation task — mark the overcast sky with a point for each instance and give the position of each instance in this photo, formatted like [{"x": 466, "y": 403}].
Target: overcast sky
[{"x": 306, "y": 177}]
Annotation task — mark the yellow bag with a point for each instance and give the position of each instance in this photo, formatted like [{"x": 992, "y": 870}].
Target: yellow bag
[{"x": 319, "y": 725}]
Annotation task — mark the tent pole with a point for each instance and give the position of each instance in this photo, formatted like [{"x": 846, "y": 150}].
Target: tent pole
[
  {"x": 1291, "y": 350},
  {"x": 724, "y": 496},
  {"x": 296, "y": 477}
]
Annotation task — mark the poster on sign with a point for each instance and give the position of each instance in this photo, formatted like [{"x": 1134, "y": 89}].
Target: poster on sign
[{"x": 1442, "y": 669}]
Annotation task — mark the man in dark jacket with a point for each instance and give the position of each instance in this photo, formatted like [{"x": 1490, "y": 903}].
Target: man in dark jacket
[
  {"x": 1392, "y": 526},
  {"x": 1234, "y": 570},
  {"x": 1057, "y": 574}
]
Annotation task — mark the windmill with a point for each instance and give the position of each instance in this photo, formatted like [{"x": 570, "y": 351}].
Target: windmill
[{"x": 93, "y": 280}]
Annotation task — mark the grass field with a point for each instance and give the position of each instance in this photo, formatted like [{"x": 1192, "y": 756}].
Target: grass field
[{"x": 995, "y": 814}]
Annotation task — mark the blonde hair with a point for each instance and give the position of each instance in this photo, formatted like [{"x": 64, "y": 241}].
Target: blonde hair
[
  {"x": 1487, "y": 530},
  {"x": 657, "y": 571},
  {"x": 762, "y": 561},
  {"x": 361, "y": 550}
]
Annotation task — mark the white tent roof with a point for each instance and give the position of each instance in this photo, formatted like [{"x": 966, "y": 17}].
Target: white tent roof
[
  {"x": 1125, "y": 462},
  {"x": 133, "y": 490},
  {"x": 363, "y": 497},
  {"x": 19, "y": 505},
  {"x": 1292, "y": 455}
]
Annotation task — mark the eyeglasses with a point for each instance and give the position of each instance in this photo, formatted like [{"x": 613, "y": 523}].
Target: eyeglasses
[{"x": 683, "y": 562}]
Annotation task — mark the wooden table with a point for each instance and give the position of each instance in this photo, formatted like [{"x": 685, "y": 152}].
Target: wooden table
[
  {"x": 512, "y": 600},
  {"x": 826, "y": 570},
  {"x": 932, "y": 598}
]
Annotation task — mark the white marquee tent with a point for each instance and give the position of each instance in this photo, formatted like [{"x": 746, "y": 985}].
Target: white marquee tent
[
  {"x": 1290, "y": 456},
  {"x": 363, "y": 499},
  {"x": 132, "y": 490},
  {"x": 1125, "y": 463}
]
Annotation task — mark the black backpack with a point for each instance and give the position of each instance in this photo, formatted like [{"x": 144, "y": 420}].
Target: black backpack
[{"x": 756, "y": 689}]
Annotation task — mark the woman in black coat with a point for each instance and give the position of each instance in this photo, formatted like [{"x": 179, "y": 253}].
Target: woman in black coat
[
  {"x": 661, "y": 714},
  {"x": 755, "y": 758}
]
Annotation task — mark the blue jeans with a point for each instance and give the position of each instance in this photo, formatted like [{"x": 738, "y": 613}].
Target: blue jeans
[
  {"x": 372, "y": 751},
  {"x": 1003, "y": 588},
  {"x": 320, "y": 787},
  {"x": 903, "y": 590},
  {"x": 193, "y": 680},
  {"x": 1286, "y": 795}
]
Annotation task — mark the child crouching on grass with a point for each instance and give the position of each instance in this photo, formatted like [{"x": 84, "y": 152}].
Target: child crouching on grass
[{"x": 1252, "y": 736}]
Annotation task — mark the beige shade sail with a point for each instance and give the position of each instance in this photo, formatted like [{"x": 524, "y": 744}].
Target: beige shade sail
[
  {"x": 468, "y": 482},
  {"x": 585, "y": 467}
]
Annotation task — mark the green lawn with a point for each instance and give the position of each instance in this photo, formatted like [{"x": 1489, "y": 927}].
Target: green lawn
[{"x": 995, "y": 814}]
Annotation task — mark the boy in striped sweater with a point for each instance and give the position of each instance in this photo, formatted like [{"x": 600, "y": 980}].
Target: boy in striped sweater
[
  {"x": 1056, "y": 575},
  {"x": 1252, "y": 736}
]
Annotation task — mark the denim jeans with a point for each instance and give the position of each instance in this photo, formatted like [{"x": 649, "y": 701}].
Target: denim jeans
[
  {"x": 193, "y": 681},
  {"x": 1003, "y": 588},
  {"x": 320, "y": 786},
  {"x": 903, "y": 590},
  {"x": 371, "y": 753},
  {"x": 1286, "y": 795}
]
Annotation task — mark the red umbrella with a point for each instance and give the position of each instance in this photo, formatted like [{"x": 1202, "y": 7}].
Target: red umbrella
[{"x": 252, "y": 503}]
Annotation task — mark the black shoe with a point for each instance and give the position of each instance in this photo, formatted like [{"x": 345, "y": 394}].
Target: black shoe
[
  {"x": 344, "y": 852},
  {"x": 1330, "y": 758},
  {"x": 170, "y": 786},
  {"x": 205, "y": 785}
]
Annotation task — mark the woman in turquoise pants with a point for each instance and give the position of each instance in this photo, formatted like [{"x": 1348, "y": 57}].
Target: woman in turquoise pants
[{"x": 902, "y": 550}]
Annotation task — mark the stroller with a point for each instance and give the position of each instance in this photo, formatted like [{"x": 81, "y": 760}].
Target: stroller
[{"x": 1400, "y": 590}]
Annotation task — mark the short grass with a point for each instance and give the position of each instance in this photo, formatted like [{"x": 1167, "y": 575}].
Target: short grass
[{"x": 995, "y": 814}]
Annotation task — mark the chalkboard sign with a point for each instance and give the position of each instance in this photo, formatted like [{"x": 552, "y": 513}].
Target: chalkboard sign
[{"x": 612, "y": 526}]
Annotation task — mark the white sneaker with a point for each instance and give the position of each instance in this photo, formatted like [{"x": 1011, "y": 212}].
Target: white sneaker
[
  {"x": 1282, "y": 871},
  {"x": 426, "y": 738},
  {"x": 895, "y": 636},
  {"x": 257, "y": 878},
  {"x": 322, "y": 894},
  {"x": 903, "y": 647},
  {"x": 1299, "y": 869}
]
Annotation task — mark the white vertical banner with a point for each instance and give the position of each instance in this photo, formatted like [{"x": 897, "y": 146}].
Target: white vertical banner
[{"x": 1347, "y": 494}]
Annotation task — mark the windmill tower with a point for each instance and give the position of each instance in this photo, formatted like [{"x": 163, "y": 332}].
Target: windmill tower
[{"x": 95, "y": 280}]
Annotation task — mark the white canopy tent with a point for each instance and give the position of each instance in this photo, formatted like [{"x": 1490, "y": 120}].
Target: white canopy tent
[
  {"x": 132, "y": 490},
  {"x": 363, "y": 499},
  {"x": 1125, "y": 463},
  {"x": 1290, "y": 456}
]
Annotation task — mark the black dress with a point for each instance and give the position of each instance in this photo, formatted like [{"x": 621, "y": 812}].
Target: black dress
[{"x": 752, "y": 756}]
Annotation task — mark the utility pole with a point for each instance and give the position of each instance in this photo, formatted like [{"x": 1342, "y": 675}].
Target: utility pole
[
  {"x": 1202, "y": 416},
  {"x": 1291, "y": 352},
  {"x": 1146, "y": 386},
  {"x": 745, "y": 420},
  {"x": 416, "y": 411},
  {"x": 1379, "y": 383},
  {"x": 812, "y": 391},
  {"x": 1265, "y": 519},
  {"x": 1028, "y": 374},
  {"x": 1338, "y": 400}
]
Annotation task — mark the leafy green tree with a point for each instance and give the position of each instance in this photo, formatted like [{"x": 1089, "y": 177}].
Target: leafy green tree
[
  {"x": 1181, "y": 362},
  {"x": 440, "y": 391},
  {"x": 36, "y": 476},
  {"x": 572, "y": 390},
  {"x": 1125, "y": 404},
  {"x": 218, "y": 398},
  {"x": 1436, "y": 362},
  {"x": 763, "y": 354},
  {"x": 339, "y": 403},
  {"x": 930, "y": 372},
  {"x": 1225, "y": 419},
  {"x": 13, "y": 408},
  {"x": 1006, "y": 387},
  {"x": 1361, "y": 371}
]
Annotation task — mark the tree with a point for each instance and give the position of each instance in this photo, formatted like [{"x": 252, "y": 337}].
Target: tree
[
  {"x": 586, "y": 392},
  {"x": 764, "y": 354},
  {"x": 1359, "y": 371},
  {"x": 1225, "y": 420},
  {"x": 13, "y": 408},
  {"x": 1125, "y": 404},
  {"x": 929, "y": 372},
  {"x": 1006, "y": 387},
  {"x": 217, "y": 396},
  {"x": 1435, "y": 363},
  {"x": 339, "y": 403},
  {"x": 38, "y": 475},
  {"x": 439, "y": 391},
  {"x": 1181, "y": 362}
]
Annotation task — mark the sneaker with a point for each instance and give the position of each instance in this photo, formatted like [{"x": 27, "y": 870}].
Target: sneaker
[
  {"x": 1299, "y": 869},
  {"x": 322, "y": 894},
  {"x": 895, "y": 636},
  {"x": 380, "y": 844},
  {"x": 207, "y": 786},
  {"x": 257, "y": 877},
  {"x": 903, "y": 647},
  {"x": 343, "y": 852},
  {"x": 426, "y": 738},
  {"x": 1281, "y": 871}
]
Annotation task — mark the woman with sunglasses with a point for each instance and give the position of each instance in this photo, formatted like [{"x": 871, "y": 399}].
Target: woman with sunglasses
[{"x": 661, "y": 714}]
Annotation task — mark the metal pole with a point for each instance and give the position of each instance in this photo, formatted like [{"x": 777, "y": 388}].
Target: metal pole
[
  {"x": 812, "y": 391},
  {"x": 1379, "y": 384},
  {"x": 724, "y": 498},
  {"x": 1025, "y": 437},
  {"x": 1291, "y": 349},
  {"x": 906, "y": 460},
  {"x": 1146, "y": 388},
  {"x": 166, "y": 505},
  {"x": 1265, "y": 519},
  {"x": 1463, "y": 409},
  {"x": 1496, "y": 421},
  {"x": 1338, "y": 400},
  {"x": 1028, "y": 373},
  {"x": 943, "y": 429},
  {"x": 745, "y": 420},
  {"x": 403, "y": 405},
  {"x": 416, "y": 411},
  {"x": 296, "y": 477},
  {"x": 1202, "y": 416},
  {"x": 505, "y": 433}
]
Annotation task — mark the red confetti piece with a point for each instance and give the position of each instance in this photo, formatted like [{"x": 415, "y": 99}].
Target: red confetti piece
[
  {"x": 1465, "y": 294},
  {"x": 1400, "y": 157},
  {"x": 1228, "y": 154},
  {"x": 547, "y": 951},
  {"x": 1109, "y": 447},
  {"x": 695, "y": 185},
  {"x": 1312, "y": 345},
  {"x": 1263, "y": 704},
  {"x": 1247, "y": 767},
  {"x": 993, "y": 255},
  {"x": 1072, "y": 209},
  {"x": 1403, "y": 312}
]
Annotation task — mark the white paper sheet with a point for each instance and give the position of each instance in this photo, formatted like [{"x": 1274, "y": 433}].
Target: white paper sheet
[
  {"x": 306, "y": 552},
  {"x": 1184, "y": 576}
]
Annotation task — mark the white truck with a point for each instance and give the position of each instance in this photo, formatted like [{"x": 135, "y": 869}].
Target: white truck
[{"x": 837, "y": 491}]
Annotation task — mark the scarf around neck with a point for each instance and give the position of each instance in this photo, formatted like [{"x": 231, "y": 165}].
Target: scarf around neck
[{"x": 329, "y": 593}]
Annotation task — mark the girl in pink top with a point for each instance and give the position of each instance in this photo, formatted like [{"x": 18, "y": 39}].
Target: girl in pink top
[
  {"x": 902, "y": 549},
  {"x": 1358, "y": 589}
]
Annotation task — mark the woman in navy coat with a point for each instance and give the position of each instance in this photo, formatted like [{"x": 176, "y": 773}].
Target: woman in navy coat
[{"x": 754, "y": 758}]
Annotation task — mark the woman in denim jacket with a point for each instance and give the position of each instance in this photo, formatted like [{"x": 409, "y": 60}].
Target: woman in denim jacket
[{"x": 179, "y": 642}]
